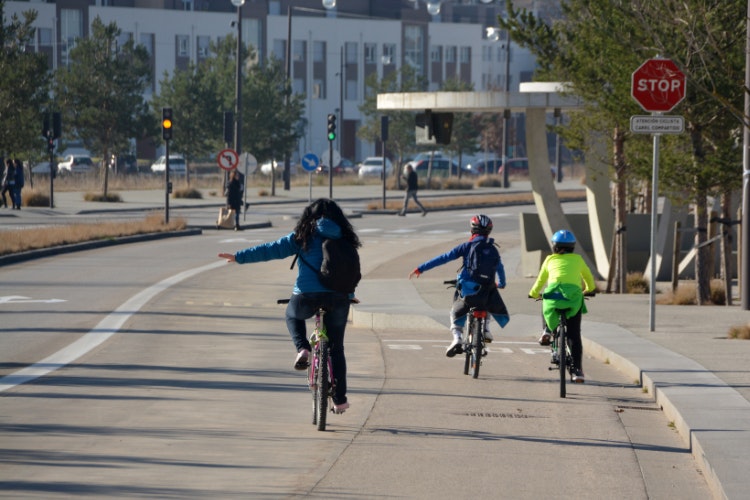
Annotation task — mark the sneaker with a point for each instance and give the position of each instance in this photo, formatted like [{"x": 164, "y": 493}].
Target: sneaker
[
  {"x": 340, "y": 408},
  {"x": 546, "y": 338},
  {"x": 455, "y": 347},
  {"x": 303, "y": 360},
  {"x": 578, "y": 376},
  {"x": 555, "y": 358},
  {"x": 488, "y": 338},
  {"x": 424, "y": 213}
]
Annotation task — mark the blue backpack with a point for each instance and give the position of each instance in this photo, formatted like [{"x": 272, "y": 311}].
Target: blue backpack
[{"x": 482, "y": 261}]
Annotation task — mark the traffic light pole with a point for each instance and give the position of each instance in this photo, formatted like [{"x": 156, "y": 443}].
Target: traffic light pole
[{"x": 166, "y": 183}]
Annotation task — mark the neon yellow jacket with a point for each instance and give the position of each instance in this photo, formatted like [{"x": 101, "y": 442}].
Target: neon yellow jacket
[{"x": 564, "y": 275}]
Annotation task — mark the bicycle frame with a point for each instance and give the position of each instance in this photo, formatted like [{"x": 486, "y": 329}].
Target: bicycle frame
[{"x": 560, "y": 345}]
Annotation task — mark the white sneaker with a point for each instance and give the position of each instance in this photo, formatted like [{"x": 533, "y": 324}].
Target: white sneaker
[
  {"x": 488, "y": 338},
  {"x": 456, "y": 347}
]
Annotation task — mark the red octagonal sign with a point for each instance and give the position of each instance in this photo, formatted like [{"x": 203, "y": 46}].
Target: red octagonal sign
[{"x": 658, "y": 85}]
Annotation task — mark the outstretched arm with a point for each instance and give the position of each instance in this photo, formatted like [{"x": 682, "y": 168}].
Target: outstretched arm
[{"x": 228, "y": 256}]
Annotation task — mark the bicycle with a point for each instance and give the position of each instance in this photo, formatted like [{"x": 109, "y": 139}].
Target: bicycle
[
  {"x": 560, "y": 345},
  {"x": 473, "y": 345},
  {"x": 321, "y": 381}
]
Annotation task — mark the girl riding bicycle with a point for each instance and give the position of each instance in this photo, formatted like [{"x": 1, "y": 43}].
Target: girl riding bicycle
[
  {"x": 469, "y": 293},
  {"x": 563, "y": 272},
  {"x": 321, "y": 219}
]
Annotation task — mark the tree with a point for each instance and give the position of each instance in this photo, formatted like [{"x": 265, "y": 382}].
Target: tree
[
  {"x": 401, "y": 124},
  {"x": 197, "y": 111},
  {"x": 24, "y": 87},
  {"x": 592, "y": 44},
  {"x": 100, "y": 93}
]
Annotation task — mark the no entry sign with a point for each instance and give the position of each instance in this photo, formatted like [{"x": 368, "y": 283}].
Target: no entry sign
[{"x": 658, "y": 85}]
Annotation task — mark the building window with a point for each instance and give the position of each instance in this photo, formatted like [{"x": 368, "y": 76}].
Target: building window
[
  {"x": 450, "y": 54},
  {"x": 45, "y": 36},
  {"x": 203, "y": 44},
  {"x": 71, "y": 28},
  {"x": 279, "y": 49},
  {"x": 183, "y": 46},
  {"x": 298, "y": 86},
  {"x": 389, "y": 53},
  {"x": 351, "y": 90},
  {"x": 318, "y": 89},
  {"x": 436, "y": 53},
  {"x": 147, "y": 40},
  {"x": 299, "y": 47},
  {"x": 414, "y": 47},
  {"x": 351, "y": 52},
  {"x": 465, "y": 55},
  {"x": 319, "y": 52},
  {"x": 371, "y": 53}
]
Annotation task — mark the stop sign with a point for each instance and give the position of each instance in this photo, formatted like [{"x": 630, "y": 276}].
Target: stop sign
[{"x": 658, "y": 85}]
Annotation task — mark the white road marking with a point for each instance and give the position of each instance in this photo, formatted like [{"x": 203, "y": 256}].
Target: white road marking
[
  {"x": 18, "y": 299},
  {"x": 101, "y": 332}
]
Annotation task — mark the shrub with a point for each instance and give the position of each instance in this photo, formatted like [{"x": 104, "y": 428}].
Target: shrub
[
  {"x": 456, "y": 183},
  {"x": 109, "y": 197},
  {"x": 34, "y": 198},
  {"x": 188, "y": 193},
  {"x": 717, "y": 294},
  {"x": 636, "y": 283},
  {"x": 490, "y": 181},
  {"x": 739, "y": 332}
]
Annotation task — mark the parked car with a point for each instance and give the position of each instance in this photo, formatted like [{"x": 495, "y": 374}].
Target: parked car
[
  {"x": 483, "y": 167},
  {"x": 124, "y": 164},
  {"x": 345, "y": 166},
  {"x": 76, "y": 164},
  {"x": 441, "y": 167},
  {"x": 278, "y": 168},
  {"x": 373, "y": 167},
  {"x": 516, "y": 166},
  {"x": 176, "y": 164},
  {"x": 41, "y": 168}
]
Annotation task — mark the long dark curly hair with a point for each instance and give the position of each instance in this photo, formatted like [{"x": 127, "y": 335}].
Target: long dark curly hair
[{"x": 323, "y": 207}]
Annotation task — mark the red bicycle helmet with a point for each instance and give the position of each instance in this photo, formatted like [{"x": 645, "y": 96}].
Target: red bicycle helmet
[{"x": 481, "y": 224}]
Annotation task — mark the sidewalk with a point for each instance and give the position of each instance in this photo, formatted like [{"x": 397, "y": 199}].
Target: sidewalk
[{"x": 695, "y": 374}]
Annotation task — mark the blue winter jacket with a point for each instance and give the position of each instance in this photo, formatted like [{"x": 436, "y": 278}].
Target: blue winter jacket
[
  {"x": 286, "y": 246},
  {"x": 462, "y": 250}
]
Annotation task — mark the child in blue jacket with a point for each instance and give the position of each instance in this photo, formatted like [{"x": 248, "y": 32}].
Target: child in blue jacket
[{"x": 469, "y": 294}]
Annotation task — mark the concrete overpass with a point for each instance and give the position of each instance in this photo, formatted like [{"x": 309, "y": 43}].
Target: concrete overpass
[{"x": 535, "y": 100}]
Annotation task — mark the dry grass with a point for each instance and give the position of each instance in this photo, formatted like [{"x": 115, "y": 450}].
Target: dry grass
[
  {"x": 479, "y": 200},
  {"x": 740, "y": 332},
  {"x": 686, "y": 294},
  {"x": 636, "y": 283},
  {"x": 32, "y": 239}
]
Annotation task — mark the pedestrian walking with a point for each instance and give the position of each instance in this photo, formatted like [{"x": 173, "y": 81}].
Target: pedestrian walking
[
  {"x": 234, "y": 196},
  {"x": 9, "y": 183},
  {"x": 412, "y": 185},
  {"x": 19, "y": 182}
]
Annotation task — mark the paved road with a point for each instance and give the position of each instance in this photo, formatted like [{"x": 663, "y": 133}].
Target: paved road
[{"x": 696, "y": 377}]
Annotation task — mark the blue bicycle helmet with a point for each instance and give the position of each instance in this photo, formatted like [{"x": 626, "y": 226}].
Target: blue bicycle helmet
[{"x": 563, "y": 240}]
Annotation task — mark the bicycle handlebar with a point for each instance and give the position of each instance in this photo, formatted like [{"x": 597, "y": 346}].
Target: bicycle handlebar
[{"x": 286, "y": 301}]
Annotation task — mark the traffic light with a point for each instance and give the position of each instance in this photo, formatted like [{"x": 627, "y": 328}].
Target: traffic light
[
  {"x": 56, "y": 125},
  {"x": 228, "y": 127},
  {"x": 442, "y": 126},
  {"x": 331, "y": 127},
  {"x": 166, "y": 123}
]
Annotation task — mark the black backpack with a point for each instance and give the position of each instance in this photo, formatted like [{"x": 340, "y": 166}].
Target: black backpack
[
  {"x": 340, "y": 269},
  {"x": 482, "y": 261}
]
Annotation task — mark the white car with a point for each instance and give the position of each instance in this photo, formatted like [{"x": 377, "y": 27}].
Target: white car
[
  {"x": 373, "y": 167},
  {"x": 176, "y": 164},
  {"x": 76, "y": 164},
  {"x": 278, "y": 168}
]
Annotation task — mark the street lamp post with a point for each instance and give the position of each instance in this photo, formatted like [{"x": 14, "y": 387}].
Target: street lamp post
[{"x": 238, "y": 86}]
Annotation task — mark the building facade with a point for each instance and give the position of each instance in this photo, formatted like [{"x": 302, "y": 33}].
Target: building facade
[{"x": 332, "y": 51}]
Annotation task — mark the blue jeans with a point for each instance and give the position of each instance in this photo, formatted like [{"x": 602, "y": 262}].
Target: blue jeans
[{"x": 304, "y": 306}]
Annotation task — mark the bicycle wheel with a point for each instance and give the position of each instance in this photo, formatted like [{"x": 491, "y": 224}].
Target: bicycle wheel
[
  {"x": 467, "y": 346},
  {"x": 562, "y": 348},
  {"x": 323, "y": 386},
  {"x": 476, "y": 346}
]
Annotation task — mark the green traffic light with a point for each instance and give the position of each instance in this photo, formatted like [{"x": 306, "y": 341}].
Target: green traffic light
[{"x": 331, "y": 136}]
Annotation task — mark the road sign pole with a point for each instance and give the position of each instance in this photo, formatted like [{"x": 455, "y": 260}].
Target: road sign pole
[{"x": 654, "y": 201}]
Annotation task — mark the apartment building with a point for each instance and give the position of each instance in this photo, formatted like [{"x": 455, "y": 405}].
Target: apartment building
[{"x": 333, "y": 51}]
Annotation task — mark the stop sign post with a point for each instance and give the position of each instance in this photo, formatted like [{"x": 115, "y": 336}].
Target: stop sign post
[{"x": 658, "y": 85}]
